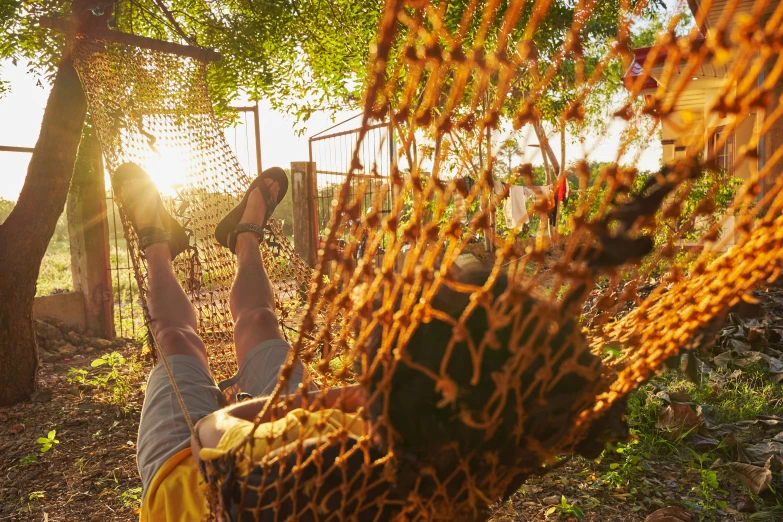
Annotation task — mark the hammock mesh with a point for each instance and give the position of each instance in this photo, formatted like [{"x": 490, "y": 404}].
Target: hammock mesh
[{"x": 539, "y": 381}]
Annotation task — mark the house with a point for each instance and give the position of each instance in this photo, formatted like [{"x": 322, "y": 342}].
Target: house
[
  {"x": 692, "y": 123},
  {"x": 691, "y": 118}
]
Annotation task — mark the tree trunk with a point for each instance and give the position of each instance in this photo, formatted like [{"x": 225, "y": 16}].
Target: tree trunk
[
  {"x": 563, "y": 149},
  {"x": 26, "y": 233},
  {"x": 546, "y": 148}
]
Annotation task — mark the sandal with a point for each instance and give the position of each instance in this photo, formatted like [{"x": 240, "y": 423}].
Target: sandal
[
  {"x": 175, "y": 234},
  {"x": 230, "y": 227}
]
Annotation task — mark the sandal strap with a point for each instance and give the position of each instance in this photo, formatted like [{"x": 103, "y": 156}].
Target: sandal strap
[
  {"x": 249, "y": 227},
  {"x": 157, "y": 235}
]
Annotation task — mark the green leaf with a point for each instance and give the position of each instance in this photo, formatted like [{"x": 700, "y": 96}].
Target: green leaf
[
  {"x": 712, "y": 479},
  {"x": 42, "y": 440},
  {"x": 98, "y": 362},
  {"x": 578, "y": 513},
  {"x": 51, "y": 434},
  {"x": 614, "y": 465},
  {"x": 551, "y": 510}
]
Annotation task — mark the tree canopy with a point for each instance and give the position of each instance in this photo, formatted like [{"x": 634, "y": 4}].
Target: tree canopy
[
  {"x": 310, "y": 55},
  {"x": 300, "y": 56}
]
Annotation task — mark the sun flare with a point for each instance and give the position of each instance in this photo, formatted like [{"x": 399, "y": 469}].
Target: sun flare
[{"x": 168, "y": 169}]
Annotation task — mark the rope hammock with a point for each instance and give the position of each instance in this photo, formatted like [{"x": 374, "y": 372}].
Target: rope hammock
[{"x": 455, "y": 427}]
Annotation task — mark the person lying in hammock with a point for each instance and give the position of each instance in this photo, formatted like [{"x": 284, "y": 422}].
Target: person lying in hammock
[{"x": 338, "y": 471}]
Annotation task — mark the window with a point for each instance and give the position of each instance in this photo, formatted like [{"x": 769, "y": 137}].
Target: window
[{"x": 723, "y": 153}]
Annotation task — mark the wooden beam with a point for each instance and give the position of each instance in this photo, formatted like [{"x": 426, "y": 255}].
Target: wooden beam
[
  {"x": 198, "y": 53},
  {"x": 9, "y": 148}
]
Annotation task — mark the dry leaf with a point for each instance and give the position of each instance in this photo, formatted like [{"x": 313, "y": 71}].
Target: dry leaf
[
  {"x": 678, "y": 419},
  {"x": 669, "y": 514},
  {"x": 756, "y": 479}
]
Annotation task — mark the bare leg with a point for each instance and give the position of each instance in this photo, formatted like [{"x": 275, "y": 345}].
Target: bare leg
[
  {"x": 173, "y": 316},
  {"x": 252, "y": 298}
]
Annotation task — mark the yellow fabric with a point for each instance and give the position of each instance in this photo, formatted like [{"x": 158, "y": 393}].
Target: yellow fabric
[{"x": 177, "y": 491}]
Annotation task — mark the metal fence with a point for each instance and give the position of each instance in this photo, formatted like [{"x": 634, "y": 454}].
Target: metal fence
[
  {"x": 331, "y": 153},
  {"x": 245, "y": 141}
]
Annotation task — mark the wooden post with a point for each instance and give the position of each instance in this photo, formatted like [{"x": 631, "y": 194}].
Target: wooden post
[
  {"x": 305, "y": 239},
  {"x": 88, "y": 229}
]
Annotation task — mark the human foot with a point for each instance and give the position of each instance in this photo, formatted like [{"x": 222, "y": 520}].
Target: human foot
[
  {"x": 252, "y": 213},
  {"x": 142, "y": 204},
  {"x": 255, "y": 211},
  {"x": 142, "y": 210}
]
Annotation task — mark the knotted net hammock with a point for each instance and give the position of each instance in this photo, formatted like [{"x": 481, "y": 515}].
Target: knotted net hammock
[{"x": 535, "y": 357}]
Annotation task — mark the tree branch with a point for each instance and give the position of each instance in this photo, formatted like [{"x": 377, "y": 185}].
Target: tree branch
[{"x": 174, "y": 23}]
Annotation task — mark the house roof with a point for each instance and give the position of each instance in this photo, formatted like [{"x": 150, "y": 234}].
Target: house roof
[
  {"x": 636, "y": 68},
  {"x": 641, "y": 54}
]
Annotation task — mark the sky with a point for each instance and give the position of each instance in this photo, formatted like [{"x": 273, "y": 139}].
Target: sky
[{"x": 22, "y": 109}]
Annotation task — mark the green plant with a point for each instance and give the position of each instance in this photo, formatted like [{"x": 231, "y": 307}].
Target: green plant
[
  {"x": 80, "y": 463},
  {"x": 48, "y": 442},
  {"x": 78, "y": 376},
  {"x": 122, "y": 373},
  {"x": 113, "y": 359},
  {"x": 36, "y": 495},
  {"x": 131, "y": 498},
  {"x": 29, "y": 459},
  {"x": 566, "y": 508}
]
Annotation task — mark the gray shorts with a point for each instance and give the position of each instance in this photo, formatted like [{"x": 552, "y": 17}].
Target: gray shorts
[{"x": 163, "y": 431}]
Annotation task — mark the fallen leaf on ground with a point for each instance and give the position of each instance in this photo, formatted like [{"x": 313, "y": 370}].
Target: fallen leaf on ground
[
  {"x": 763, "y": 451},
  {"x": 669, "y": 514},
  {"x": 678, "y": 419},
  {"x": 756, "y": 478}
]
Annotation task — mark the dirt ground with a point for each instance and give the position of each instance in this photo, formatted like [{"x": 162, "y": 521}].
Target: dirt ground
[
  {"x": 90, "y": 474},
  {"x": 87, "y": 414}
]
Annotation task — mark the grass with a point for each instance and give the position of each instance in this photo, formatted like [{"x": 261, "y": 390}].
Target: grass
[
  {"x": 55, "y": 277},
  {"x": 128, "y": 313},
  {"x": 744, "y": 396},
  {"x": 704, "y": 491},
  {"x": 55, "y": 273}
]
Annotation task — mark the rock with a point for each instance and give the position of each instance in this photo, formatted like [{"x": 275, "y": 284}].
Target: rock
[
  {"x": 101, "y": 344},
  {"x": 41, "y": 395},
  {"x": 89, "y": 349},
  {"x": 554, "y": 499},
  {"x": 50, "y": 357},
  {"x": 46, "y": 331},
  {"x": 52, "y": 346},
  {"x": 67, "y": 350},
  {"x": 73, "y": 338},
  {"x": 60, "y": 325}
]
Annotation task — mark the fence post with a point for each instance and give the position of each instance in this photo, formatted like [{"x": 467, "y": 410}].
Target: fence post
[
  {"x": 302, "y": 183},
  {"x": 88, "y": 231}
]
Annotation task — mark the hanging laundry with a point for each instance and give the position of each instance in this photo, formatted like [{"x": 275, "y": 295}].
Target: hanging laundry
[{"x": 516, "y": 206}]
